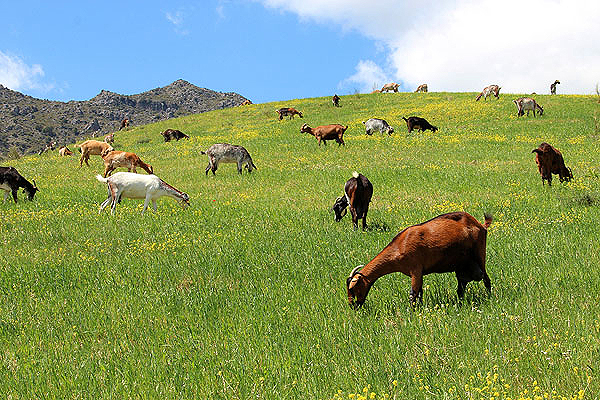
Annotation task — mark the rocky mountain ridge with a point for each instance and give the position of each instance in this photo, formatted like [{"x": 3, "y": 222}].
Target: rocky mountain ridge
[{"x": 27, "y": 124}]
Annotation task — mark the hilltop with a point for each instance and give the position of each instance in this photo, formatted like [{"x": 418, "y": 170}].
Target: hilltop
[{"x": 28, "y": 123}]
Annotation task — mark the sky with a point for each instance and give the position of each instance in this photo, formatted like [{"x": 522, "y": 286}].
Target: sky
[{"x": 271, "y": 50}]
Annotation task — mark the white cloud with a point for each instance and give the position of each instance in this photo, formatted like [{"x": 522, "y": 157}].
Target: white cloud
[
  {"x": 368, "y": 76},
  {"x": 17, "y": 75},
  {"x": 464, "y": 45},
  {"x": 177, "y": 18}
]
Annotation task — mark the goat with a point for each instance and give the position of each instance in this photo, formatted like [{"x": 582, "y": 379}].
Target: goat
[
  {"x": 94, "y": 148},
  {"x": 553, "y": 87},
  {"x": 49, "y": 146},
  {"x": 136, "y": 186},
  {"x": 453, "y": 242},
  {"x": 376, "y": 91},
  {"x": 422, "y": 88},
  {"x": 110, "y": 139},
  {"x": 64, "y": 151},
  {"x": 173, "y": 134},
  {"x": 246, "y": 103},
  {"x": 228, "y": 153},
  {"x": 489, "y": 91},
  {"x": 390, "y": 87},
  {"x": 116, "y": 159},
  {"x": 550, "y": 161},
  {"x": 326, "y": 132},
  {"x": 11, "y": 180},
  {"x": 358, "y": 192},
  {"x": 419, "y": 124},
  {"x": 124, "y": 124},
  {"x": 376, "y": 124},
  {"x": 335, "y": 100},
  {"x": 289, "y": 112},
  {"x": 529, "y": 104}
]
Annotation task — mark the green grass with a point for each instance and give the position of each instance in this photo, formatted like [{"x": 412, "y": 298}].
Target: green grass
[{"x": 242, "y": 295}]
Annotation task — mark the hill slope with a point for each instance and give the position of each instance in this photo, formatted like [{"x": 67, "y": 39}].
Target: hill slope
[
  {"x": 242, "y": 295},
  {"x": 28, "y": 123}
]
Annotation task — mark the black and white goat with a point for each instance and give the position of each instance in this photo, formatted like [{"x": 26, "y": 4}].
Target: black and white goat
[
  {"x": 358, "y": 192},
  {"x": 136, "y": 186},
  {"x": 11, "y": 180}
]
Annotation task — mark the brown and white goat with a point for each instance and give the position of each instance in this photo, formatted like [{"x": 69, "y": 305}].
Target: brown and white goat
[
  {"x": 422, "y": 88},
  {"x": 553, "y": 87},
  {"x": 489, "y": 91},
  {"x": 527, "y": 104},
  {"x": 335, "y": 100},
  {"x": 92, "y": 148},
  {"x": 326, "y": 132},
  {"x": 289, "y": 112},
  {"x": 64, "y": 151},
  {"x": 357, "y": 194},
  {"x": 246, "y": 103},
  {"x": 550, "y": 161},
  {"x": 110, "y": 138},
  {"x": 454, "y": 242},
  {"x": 116, "y": 159},
  {"x": 390, "y": 87}
]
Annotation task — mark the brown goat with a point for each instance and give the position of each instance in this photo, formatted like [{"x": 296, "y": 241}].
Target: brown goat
[
  {"x": 246, "y": 103},
  {"x": 92, "y": 148},
  {"x": 173, "y": 134},
  {"x": 326, "y": 132},
  {"x": 110, "y": 138},
  {"x": 550, "y": 161},
  {"x": 357, "y": 194},
  {"x": 116, "y": 159},
  {"x": 420, "y": 124},
  {"x": 453, "y": 242},
  {"x": 124, "y": 124},
  {"x": 64, "y": 151},
  {"x": 422, "y": 88},
  {"x": 289, "y": 112}
]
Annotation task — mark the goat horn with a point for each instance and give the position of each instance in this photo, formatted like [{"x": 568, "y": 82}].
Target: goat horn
[{"x": 355, "y": 270}]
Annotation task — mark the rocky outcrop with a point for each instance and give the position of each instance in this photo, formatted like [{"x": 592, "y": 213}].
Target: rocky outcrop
[{"x": 29, "y": 124}]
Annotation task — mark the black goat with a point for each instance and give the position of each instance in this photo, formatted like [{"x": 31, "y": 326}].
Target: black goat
[
  {"x": 358, "y": 196},
  {"x": 11, "y": 180}
]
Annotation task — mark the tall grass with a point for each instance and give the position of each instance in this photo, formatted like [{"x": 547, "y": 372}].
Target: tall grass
[{"x": 242, "y": 295}]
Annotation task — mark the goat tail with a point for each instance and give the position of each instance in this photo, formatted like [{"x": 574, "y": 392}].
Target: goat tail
[
  {"x": 404, "y": 118},
  {"x": 488, "y": 220},
  {"x": 537, "y": 151},
  {"x": 101, "y": 179}
]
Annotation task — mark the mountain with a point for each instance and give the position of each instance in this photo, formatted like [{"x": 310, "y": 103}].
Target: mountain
[{"x": 29, "y": 124}]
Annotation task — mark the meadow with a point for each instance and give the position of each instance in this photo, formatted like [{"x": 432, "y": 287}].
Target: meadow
[{"x": 242, "y": 295}]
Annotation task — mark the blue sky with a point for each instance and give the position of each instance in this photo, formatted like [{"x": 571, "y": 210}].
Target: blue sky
[
  {"x": 270, "y": 50},
  {"x": 262, "y": 53}
]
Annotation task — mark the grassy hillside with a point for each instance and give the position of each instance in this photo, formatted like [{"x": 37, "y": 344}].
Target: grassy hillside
[{"x": 242, "y": 295}]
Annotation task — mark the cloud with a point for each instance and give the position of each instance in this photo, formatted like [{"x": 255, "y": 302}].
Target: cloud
[
  {"x": 177, "y": 18},
  {"x": 17, "y": 75},
  {"x": 368, "y": 76},
  {"x": 464, "y": 45}
]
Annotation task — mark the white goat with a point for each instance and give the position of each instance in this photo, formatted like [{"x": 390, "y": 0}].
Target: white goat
[{"x": 137, "y": 186}]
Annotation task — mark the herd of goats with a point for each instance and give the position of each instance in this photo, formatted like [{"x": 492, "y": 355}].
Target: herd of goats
[{"x": 453, "y": 242}]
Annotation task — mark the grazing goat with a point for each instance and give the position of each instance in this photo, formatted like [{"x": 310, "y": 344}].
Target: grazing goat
[
  {"x": 390, "y": 87},
  {"x": 527, "y": 104},
  {"x": 49, "y": 146},
  {"x": 289, "y": 112},
  {"x": 11, "y": 180},
  {"x": 246, "y": 103},
  {"x": 116, "y": 159},
  {"x": 110, "y": 138},
  {"x": 453, "y": 242},
  {"x": 358, "y": 192},
  {"x": 422, "y": 88},
  {"x": 550, "y": 161},
  {"x": 335, "y": 100},
  {"x": 64, "y": 151},
  {"x": 326, "y": 132},
  {"x": 124, "y": 124},
  {"x": 228, "y": 153},
  {"x": 553, "y": 87},
  {"x": 376, "y": 91},
  {"x": 173, "y": 134},
  {"x": 376, "y": 124},
  {"x": 419, "y": 124},
  {"x": 489, "y": 91},
  {"x": 135, "y": 186},
  {"x": 92, "y": 148}
]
